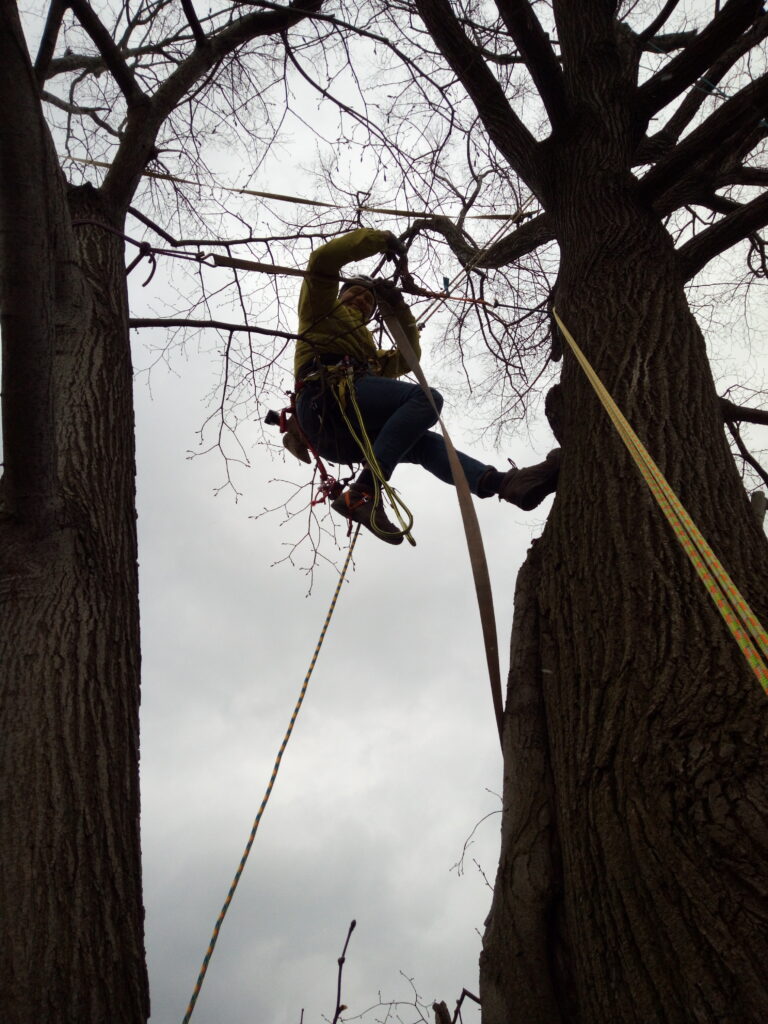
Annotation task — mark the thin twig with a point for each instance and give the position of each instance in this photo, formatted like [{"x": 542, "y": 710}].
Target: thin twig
[
  {"x": 457, "y": 1011},
  {"x": 339, "y": 1006},
  {"x": 218, "y": 325},
  {"x": 745, "y": 453}
]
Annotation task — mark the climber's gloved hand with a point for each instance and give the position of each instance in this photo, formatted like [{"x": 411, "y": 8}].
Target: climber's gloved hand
[
  {"x": 395, "y": 249},
  {"x": 389, "y": 294}
]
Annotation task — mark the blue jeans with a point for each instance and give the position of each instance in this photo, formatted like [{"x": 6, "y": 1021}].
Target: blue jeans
[{"x": 397, "y": 417}]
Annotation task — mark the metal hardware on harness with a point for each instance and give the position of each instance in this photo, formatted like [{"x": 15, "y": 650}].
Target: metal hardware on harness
[{"x": 329, "y": 487}]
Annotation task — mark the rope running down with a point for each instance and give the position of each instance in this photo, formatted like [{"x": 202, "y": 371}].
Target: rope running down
[
  {"x": 268, "y": 792},
  {"x": 739, "y": 617}
]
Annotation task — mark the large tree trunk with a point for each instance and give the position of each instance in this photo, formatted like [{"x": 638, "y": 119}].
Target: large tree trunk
[
  {"x": 632, "y": 884},
  {"x": 70, "y": 891}
]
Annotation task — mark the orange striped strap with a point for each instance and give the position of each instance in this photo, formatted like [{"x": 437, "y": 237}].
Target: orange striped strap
[{"x": 739, "y": 617}]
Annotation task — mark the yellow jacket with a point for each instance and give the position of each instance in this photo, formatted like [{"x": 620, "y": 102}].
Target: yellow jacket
[{"x": 327, "y": 327}]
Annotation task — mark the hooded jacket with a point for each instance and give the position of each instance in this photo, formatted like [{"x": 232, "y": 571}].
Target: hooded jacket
[{"x": 329, "y": 328}]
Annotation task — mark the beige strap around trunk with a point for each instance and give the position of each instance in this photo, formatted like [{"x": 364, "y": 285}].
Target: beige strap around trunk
[{"x": 471, "y": 525}]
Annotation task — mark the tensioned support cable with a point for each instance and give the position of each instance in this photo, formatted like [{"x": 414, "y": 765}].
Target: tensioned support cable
[
  {"x": 268, "y": 792},
  {"x": 296, "y": 200},
  {"x": 747, "y": 631}
]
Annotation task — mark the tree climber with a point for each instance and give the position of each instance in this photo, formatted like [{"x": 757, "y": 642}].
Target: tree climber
[{"x": 396, "y": 414}]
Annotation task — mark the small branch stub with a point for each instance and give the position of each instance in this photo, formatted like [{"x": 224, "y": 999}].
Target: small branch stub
[
  {"x": 759, "y": 505},
  {"x": 339, "y": 1005}
]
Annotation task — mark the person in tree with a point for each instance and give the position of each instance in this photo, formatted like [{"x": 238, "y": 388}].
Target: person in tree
[{"x": 397, "y": 414}]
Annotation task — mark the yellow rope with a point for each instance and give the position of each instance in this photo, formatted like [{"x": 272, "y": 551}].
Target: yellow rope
[
  {"x": 739, "y": 617},
  {"x": 267, "y": 794},
  {"x": 404, "y": 515}
]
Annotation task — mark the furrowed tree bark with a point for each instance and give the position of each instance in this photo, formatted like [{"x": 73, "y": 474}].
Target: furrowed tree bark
[
  {"x": 635, "y": 733},
  {"x": 69, "y": 838},
  {"x": 525, "y": 921},
  {"x": 655, "y": 726},
  {"x": 72, "y": 948}
]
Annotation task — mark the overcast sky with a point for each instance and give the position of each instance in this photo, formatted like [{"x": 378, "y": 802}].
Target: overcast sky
[
  {"x": 395, "y": 756},
  {"x": 391, "y": 762}
]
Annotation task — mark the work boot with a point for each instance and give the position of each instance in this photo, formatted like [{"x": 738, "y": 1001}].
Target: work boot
[
  {"x": 528, "y": 487},
  {"x": 358, "y": 505}
]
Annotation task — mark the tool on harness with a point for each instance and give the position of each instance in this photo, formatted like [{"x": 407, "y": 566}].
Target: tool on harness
[
  {"x": 337, "y": 374},
  {"x": 296, "y": 442},
  {"x": 293, "y": 439}
]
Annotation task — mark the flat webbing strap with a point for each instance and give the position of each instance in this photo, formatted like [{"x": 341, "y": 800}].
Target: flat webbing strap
[
  {"x": 471, "y": 526},
  {"x": 738, "y": 616}
]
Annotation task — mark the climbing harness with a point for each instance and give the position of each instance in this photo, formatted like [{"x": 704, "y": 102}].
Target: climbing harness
[
  {"x": 338, "y": 378},
  {"x": 739, "y": 617},
  {"x": 329, "y": 487},
  {"x": 268, "y": 792}
]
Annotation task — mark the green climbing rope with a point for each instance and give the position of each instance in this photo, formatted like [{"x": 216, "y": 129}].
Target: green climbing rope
[{"x": 346, "y": 387}]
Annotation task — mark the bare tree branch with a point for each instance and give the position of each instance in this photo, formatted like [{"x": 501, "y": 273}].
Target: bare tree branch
[
  {"x": 667, "y": 136},
  {"x": 668, "y": 42},
  {"x": 733, "y": 228},
  {"x": 349, "y": 26},
  {"x": 712, "y": 141},
  {"x": 72, "y": 108},
  {"x": 518, "y": 243},
  {"x": 745, "y": 452},
  {"x": 743, "y": 176},
  {"x": 536, "y": 50},
  {"x": 720, "y": 204},
  {"x": 742, "y": 413},
  {"x": 49, "y": 38},
  {"x": 141, "y": 132},
  {"x": 660, "y": 19},
  {"x": 114, "y": 60},
  {"x": 219, "y": 325},
  {"x": 683, "y": 70},
  {"x": 93, "y": 64},
  {"x": 506, "y": 130},
  {"x": 339, "y": 1006},
  {"x": 197, "y": 29}
]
